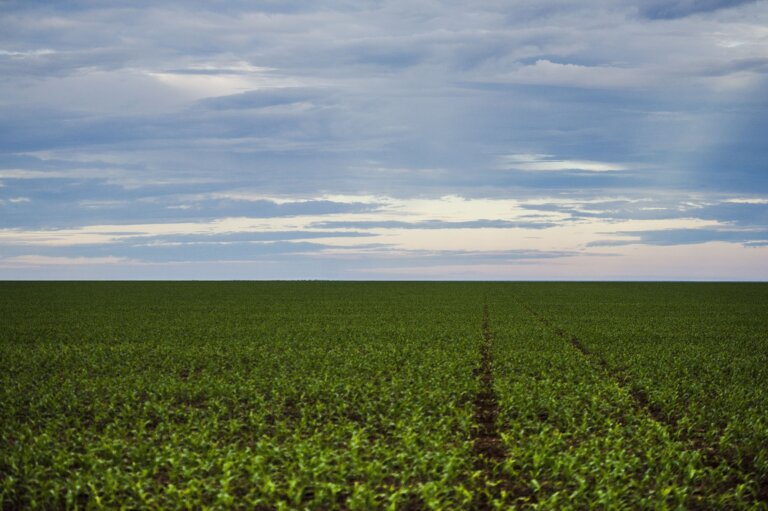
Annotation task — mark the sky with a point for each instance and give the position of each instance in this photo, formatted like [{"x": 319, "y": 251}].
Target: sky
[{"x": 402, "y": 139}]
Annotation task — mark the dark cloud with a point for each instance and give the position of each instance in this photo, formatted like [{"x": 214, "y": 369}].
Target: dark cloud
[
  {"x": 366, "y": 254},
  {"x": 666, "y": 237},
  {"x": 57, "y": 203},
  {"x": 738, "y": 214},
  {"x": 672, "y": 9},
  {"x": 180, "y": 249}
]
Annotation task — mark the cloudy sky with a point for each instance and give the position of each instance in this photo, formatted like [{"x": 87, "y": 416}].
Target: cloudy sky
[{"x": 602, "y": 139}]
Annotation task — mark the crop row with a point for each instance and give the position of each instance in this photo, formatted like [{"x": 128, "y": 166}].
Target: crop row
[
  {"x": 160, "y": 399},
  {"x": 695, "y": 354},
  {"x": 366, "y": 396},
  {"x": 576, "y": 440}
]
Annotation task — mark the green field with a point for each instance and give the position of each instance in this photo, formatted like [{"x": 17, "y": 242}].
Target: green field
[{"x": 331, "y": 395}]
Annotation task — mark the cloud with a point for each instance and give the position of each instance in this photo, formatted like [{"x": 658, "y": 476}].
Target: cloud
[
  {"x": 546, "y": 72},
  {"x": 748, "y": 200},
  {"x": 287, "y": 132},
  {"x": 734, "y": 213},
  {"x": 435, "y": 224},
  {"x": 666, "y": 9},
  {"x": 14, "y": 200},
  {"x": 214, "y": 79},
  {"x": 279, "y": 216},
  {"x": 39, "y": 260},
  {"x": 548, "y": 163},
  {"x": 263, "y": 98},
  {"x": 670, "y": 237}
]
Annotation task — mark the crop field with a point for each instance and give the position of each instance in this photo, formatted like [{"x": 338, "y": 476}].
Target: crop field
[{"x": 398, "y": 395}]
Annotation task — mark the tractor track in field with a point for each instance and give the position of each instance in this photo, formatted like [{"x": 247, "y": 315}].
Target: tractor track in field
[
  {"x": 487, "y": 444},
  {"x": 711, "y": 456},
  {"x": 639, "y": 397}
]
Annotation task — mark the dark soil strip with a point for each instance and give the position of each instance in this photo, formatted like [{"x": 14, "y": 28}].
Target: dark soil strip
[
  {"x": 487, "y": 444},
  {"x": 639, "y": 397},
  {"x": 710, "y": 455}
]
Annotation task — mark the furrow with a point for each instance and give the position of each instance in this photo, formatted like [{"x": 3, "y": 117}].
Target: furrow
[
  {"x": 487, "y": 444},
  {"x": 710, "y": 455},
  {"x": 639, "y": 398}
]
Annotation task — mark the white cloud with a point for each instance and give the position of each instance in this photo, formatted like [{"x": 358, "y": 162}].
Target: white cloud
[
  {"x": 27, "y": 53},
  {"x": 394, "y": 226},
  {"x": 14, "y": 200},
  {"x": 748, "y": 200},
  {"x": 254, "y": 197},
  {"x": 212, "y": 79},
  {"x": 39, "y": 260},
  {"x": 548, "y": 163}
]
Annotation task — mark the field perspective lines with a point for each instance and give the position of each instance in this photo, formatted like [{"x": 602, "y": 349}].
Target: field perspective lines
[
  {"x": 638, "y": 395},
  {"x": 732, "y": 477}
]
